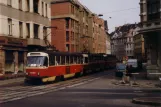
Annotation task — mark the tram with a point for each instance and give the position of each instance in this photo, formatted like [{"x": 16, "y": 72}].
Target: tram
[{"x": 50, "y": 66}]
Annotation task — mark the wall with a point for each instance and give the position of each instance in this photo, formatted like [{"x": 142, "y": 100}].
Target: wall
[
  {"x": 58, "y": 36},
  {"x": 60, "y": 9}
]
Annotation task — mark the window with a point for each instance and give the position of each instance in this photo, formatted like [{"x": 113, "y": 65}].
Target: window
[
  {"x": 35, "y": 6},
  {"x": 67, "y": 36},
  {"x": 67, "y": 48},
  {"x": 20, "y": 4},
  {"x": 58, "y": 61},
  {"x": 45, "y": 32},
  {"x": 153, "y": 9},
  {"x": 67, "y": 23},
  {"x": 42, "y": 8},
  {"x": 46, "y": 9},
  {"x": 72, "y": 9},
  {"x": 28, "y": 30},
  {"x": 63, "y": 60},
  {"x": 9, "y": 26},
  {"x": 9, "y": 2},
  {"x": 28, "y": 5},
  {"x": 21, "y": 29},
  {"x": 67, "y": 60},
  {"x": 36, "y": 30},
  {"x": 52, "y": 60}
]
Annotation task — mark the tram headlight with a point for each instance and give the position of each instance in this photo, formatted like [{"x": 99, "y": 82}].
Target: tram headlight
[
  {"x": 27, "y": 73},
  {"x": 38, "y": 73}
]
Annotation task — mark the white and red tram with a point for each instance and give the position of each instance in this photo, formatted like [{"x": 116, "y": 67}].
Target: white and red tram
[{"x": 49, "y": 66}]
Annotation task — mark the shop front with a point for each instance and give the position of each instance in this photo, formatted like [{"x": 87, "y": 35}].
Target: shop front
[{"x": 13, "y": 53}]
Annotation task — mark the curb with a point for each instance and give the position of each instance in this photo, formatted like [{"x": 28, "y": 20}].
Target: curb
[{"x": 148, "y": 101}]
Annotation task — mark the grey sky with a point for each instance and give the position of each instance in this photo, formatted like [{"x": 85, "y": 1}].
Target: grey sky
[{"x": 118, "y": 18}]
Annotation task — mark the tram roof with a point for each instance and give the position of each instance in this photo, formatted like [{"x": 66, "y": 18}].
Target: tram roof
[{"x": 63, "y": 53}]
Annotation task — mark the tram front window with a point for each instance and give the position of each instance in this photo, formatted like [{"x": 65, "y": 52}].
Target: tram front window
[{"x": 37, "y": 61}]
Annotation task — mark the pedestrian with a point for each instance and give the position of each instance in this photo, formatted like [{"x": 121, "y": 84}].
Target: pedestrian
[{"x": 129, "y": 70}]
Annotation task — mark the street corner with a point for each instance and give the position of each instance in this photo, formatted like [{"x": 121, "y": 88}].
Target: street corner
[{"x": 155, "y": 101}]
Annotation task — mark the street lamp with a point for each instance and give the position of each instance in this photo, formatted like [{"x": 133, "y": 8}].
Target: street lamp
[{"x": 100, "y": 15}]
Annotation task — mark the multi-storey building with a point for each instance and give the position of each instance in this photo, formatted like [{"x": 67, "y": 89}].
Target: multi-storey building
[
  {"x": 122, "y": 44},
  {"x": 139, "y": 47},
  {"x": 99, "y": 35},
  {"x": 150, "y": 16},
  {"x": 23, "y": 26},
  {"x": 78, "y": 29}
]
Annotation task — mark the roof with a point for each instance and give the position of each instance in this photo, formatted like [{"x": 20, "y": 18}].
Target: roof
[
  {"x": 122, "y": 31},
  {"x": 76, "y": 2}
]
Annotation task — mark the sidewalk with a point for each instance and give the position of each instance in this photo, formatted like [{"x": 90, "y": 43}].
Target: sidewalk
[
  {"x": 11, "y": 81},
  {"x": 11, "y": 76}
]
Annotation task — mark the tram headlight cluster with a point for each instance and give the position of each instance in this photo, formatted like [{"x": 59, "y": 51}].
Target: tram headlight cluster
[{"x": 27, "y": 73}]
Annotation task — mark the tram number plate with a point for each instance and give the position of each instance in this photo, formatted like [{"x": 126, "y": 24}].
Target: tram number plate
[{"x": 67, "y": 69}]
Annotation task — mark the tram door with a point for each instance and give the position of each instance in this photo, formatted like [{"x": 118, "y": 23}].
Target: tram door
[{"x": 67, "y": 65}]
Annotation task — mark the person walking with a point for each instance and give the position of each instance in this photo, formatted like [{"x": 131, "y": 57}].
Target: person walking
[{"x": 127, "y": 74}]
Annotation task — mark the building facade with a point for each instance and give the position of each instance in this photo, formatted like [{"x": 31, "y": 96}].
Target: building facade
[
  {"x": 150, "y": 16},
  {"x": 122, "y": 43},
  {"x": 23, "y": 26},
  {"x": 139, "y": 46},
  {"x": 78, "y": 29}
]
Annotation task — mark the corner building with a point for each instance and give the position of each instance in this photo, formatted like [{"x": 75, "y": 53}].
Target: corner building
[{"x": 23, "y": 25}]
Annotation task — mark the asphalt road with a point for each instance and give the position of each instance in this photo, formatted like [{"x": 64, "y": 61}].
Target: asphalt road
[{"x": 98, "y": 93}]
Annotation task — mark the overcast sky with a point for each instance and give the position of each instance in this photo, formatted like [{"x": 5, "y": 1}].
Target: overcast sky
[{"x": 120, "y": 11}]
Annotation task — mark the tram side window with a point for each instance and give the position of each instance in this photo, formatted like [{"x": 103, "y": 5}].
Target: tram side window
[
  {"x": 80, "y": 60},
  {"x": 67, "y": 59},
  {"x": 71, "y": 59},
  {"x": 86, "y": 59},
  {"x": 75, "y": 60},
  {"x": 52, "y": 60},
  {"x": 63, "y": 60},
  {"x": 58, "y": 62},
  {"x": 46, "y": 62}
]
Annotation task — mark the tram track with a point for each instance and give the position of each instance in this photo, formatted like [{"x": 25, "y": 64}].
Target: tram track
[{"x": 20, "y": 92}]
